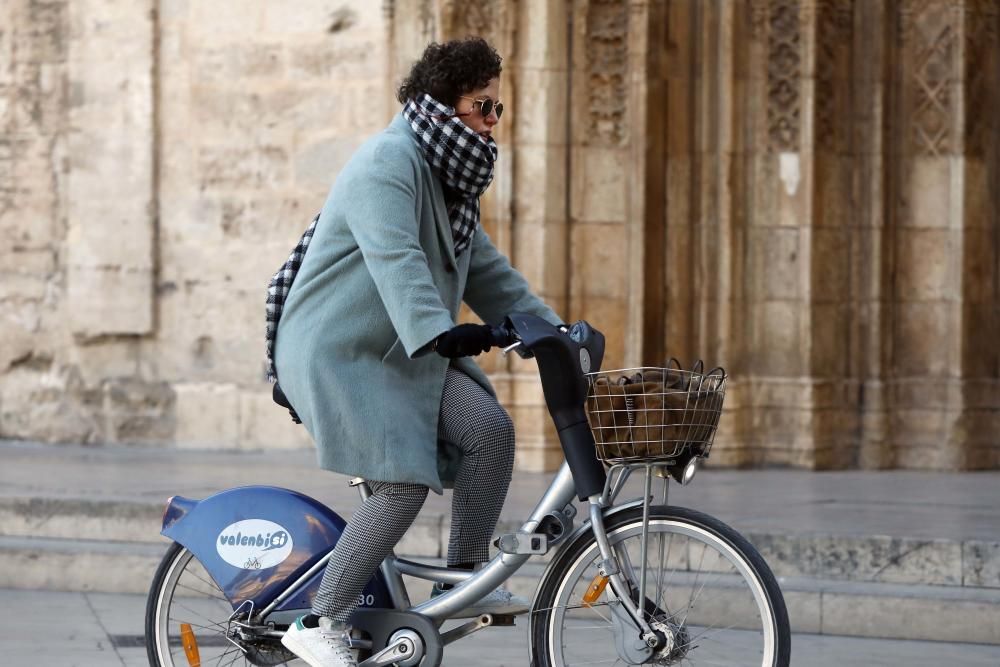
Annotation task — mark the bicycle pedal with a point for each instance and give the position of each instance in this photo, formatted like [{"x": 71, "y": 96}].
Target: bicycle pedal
[
  {"x": 506, "y": 620},
  {"x": 522, "y": 543}
]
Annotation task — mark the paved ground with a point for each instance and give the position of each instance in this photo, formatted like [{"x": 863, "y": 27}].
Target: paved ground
[
  {"x": 66, "y": 629},
  {"x": 935, "y": 505},
  {"x": 49, "y": 629}
]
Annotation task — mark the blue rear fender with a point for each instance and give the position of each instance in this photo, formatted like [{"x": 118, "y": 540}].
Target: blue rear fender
[{"x": 255, "y": 541}]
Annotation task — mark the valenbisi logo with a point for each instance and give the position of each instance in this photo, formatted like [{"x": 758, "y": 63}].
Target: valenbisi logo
[{"x": 254, "y": 544}]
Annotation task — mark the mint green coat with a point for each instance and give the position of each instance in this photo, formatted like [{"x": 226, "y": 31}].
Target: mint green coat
[{"x": 379, "y": 283}]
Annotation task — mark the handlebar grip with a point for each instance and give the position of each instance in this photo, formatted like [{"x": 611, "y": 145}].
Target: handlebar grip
[{"x": 501, "y": 336}]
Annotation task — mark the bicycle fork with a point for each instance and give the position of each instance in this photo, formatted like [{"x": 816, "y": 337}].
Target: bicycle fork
[{"x": 626, "y": 615}]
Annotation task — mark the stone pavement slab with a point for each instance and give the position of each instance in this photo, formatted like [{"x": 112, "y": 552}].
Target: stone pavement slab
[
  {"x": 50, "y": 629},
  {"x": 931, "y": 505}
]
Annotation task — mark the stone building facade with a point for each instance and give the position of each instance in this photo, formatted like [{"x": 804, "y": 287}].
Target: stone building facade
[{"x": 806, "y": 192}]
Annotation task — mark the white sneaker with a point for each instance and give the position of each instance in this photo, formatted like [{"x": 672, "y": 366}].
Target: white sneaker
[
  {"x": 325, "y": 646},
  {"x": 499, "y": 603}
]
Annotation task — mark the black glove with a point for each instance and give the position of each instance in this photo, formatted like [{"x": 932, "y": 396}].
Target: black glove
[{"x": 464, "y": 340}]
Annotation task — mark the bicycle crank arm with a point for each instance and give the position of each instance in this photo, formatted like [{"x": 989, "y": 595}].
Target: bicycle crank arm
[
  {"x": 398, "y": 651},
  {"x": 466, "y": 629}
]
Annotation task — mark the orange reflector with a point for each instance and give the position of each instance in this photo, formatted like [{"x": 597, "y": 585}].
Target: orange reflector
[
  {"x": 190, "y": 645},
  {"x": 595, "y": 589}
]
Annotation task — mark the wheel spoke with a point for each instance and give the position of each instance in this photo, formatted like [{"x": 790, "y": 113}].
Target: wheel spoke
[
  {"x": 217, "y": 629},
  {"x": 596, "y": 662},
  {"x": 594, "y": 610},
  {"x": 222, "y": 656},
  {"x": 239, "y": 654},
  {"x": 695, "y": 598},
  {"x": 707, "y": 632},
  {"x": 570, "y": 607},
  {"x": 697, "y": 573},
  {"x": 189, "y": 609},
  {"x": 661, "y": 585},
  {"x": 207, "y": 582},
  {"x": 206, "y": 593},
  {"x": 659, "y": 577}
]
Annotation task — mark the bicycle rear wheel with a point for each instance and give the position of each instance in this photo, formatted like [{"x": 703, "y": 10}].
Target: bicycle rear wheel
[
  {"x": 705, "y": 585},
  {"x": 186, "y": 605}
]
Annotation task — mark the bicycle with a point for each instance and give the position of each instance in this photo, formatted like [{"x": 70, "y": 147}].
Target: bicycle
[{"x": 246, "y": 562}]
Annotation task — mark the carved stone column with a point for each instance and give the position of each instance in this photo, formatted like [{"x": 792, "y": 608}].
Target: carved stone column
[
  {"x": 540, "y": 98},
  {"x": 692, "y": 144},
  {"x": 600, "y": 170},
  {"x": 780, "y": 199},
  {"x": 944, "y": 397},
  {"x": 979, "y": 425},
  {"x": 872, "y": 106},
  {"x": 832, "y": 234},
  {"x": 758, "y": 230}
]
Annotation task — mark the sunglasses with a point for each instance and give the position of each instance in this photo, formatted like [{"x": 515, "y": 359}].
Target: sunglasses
[{"x": 486, "y": 105}]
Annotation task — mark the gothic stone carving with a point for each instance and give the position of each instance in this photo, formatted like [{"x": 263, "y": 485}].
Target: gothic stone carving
[
  {"x": 428, "y": 23},
  {"x": 461, "y": 19},
  {"x": 491, "y": 19},
  {"x": 783, "y": 74},
  {"x": 759, "y": 11},
  {"x": 928, "y": 30},
  {"x": 607, "y": 67}
]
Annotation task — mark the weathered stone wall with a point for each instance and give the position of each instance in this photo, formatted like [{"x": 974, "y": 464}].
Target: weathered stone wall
[
  {"x": 34, "y": 98},
  {"x": 807, "y": 192},
  {"x": 157, "y": 162},
  {"x": 280, "y": 98}
]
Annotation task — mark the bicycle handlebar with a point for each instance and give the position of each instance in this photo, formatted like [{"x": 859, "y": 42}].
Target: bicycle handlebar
[
  {"x": 565, "y": 354},
  {"x": 502, "y": 336}
]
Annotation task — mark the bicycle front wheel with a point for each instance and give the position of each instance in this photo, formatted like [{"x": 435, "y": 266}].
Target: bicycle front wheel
[{"x": 706, "y": 587}]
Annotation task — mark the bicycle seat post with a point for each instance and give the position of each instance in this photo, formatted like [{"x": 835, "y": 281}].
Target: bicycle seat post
[{"x": 363, "y": 487}]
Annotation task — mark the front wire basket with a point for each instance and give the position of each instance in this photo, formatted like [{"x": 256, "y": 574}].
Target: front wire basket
[{"x": 654, "y": 414}]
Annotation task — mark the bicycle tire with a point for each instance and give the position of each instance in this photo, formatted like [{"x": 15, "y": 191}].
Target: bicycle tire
[
  {"x": 207, "y": 618},
  {"x": 570, "y": 563}
]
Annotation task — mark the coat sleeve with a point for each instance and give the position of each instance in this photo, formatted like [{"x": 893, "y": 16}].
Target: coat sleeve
[
  {"x": 495, "y": 288},
  {"x": 383, "y": 220}
]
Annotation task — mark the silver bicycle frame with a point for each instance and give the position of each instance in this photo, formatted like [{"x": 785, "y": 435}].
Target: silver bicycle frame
[
  {"x": 559, "y": 494},
  {"x": 471, "y": 586}
]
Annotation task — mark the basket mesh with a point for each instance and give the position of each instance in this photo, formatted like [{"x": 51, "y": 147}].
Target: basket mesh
[{"x": 654, "y": 414}]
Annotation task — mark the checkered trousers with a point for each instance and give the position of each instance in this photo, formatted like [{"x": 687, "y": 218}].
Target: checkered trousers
[{"x": 471, "y": 419}]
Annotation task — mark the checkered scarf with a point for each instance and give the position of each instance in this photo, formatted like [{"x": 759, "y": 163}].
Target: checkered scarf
[
  {"x": 277, "y": 292},
  {"x": 462, "y": 159}
]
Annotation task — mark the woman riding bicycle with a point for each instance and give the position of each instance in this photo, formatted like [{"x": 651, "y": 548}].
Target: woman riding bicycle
[{"x": 367, "y": 347}]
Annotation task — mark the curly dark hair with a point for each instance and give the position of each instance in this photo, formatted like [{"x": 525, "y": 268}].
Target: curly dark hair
[{"x": 448, "y": 70}]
